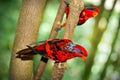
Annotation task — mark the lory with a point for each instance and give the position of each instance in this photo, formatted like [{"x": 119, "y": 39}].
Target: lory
[
  {"x": 87, "y": 12},
  {"x": 58, "y": 50}
]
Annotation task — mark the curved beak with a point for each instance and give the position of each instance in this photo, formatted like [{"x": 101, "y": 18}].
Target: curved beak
[
  {"x": 95, "y": 14},
  {"x": 83, "y": 58}
]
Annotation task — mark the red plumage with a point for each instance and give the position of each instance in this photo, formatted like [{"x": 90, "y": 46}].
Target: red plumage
[
  {"x": 56, "y": 49},
  {"x": 87, "y": 12}
]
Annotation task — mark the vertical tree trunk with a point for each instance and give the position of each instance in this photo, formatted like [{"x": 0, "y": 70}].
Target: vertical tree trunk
[
  {"x": 26, "y": 33},
  {"x": 53, "y": 34},
  {"x": 76, "y": 7}
]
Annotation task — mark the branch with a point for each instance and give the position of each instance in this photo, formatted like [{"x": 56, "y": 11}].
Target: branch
[
  {"x": 26, "y": 33},
  {"x": 53, "y": 34},
  {"x": 76, "y": 7}
]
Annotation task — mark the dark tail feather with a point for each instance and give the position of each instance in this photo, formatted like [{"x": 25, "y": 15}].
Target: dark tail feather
[
  {"x": 37, "y": 43},
  {"x": 26, "y": 54}
]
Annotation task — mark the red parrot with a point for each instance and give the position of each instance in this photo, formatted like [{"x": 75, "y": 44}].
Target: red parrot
[
  {"x": 58, "y": 50},
  {"x": 87, "y": 12}
]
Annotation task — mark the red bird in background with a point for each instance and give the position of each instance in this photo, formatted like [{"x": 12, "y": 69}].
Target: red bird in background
[
  {"x": 87, "y": 12},
  {"x": 58, "y": 50}
]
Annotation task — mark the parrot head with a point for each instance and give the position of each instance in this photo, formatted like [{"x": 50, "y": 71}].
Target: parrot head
[
  {"x": 80, "y": 51},
  {"x": 91, "y": 11}
]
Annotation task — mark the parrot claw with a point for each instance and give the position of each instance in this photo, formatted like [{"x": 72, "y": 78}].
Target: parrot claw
[
  {"x": 58, "y": 29},
  {"x": 67, "y": 3}
]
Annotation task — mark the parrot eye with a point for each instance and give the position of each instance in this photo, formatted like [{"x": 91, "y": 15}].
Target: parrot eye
[{"x": 78, "y": 51}]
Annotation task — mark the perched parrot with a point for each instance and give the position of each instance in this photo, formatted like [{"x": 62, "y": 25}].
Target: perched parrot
[
  {"x": 58, "y": 50},
  {"x": 87, "y": 12}
]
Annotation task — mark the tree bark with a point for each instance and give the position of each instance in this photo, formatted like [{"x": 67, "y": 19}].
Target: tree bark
[
  {"x": 76, "y": 7},
  {"x": 26, "y": 33},
  {"x": 53, "y": 34}
]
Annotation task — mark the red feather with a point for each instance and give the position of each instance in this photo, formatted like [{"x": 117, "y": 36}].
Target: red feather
[
  {"x": 56, "y": 49},
  {"x": 87, "y": 12}
]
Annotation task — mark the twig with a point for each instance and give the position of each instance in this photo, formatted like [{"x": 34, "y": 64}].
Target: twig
[
  {"x": 53, "y": 34},
  {"x": 76, "y": 7}
]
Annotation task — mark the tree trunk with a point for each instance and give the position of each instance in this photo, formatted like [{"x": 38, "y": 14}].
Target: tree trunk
[
  {"x": 76, "y": 7},
  {"x": 53, "y": 34},
  {"x": 26, "y": 33}
]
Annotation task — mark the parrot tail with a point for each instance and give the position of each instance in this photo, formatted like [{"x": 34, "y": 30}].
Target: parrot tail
[{"x": 26, "y": 54}]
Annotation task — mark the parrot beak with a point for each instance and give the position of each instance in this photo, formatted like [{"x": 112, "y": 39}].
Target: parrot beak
[
  {"x": 83, "y": 58},
  {"x": 95, "y": 14}
]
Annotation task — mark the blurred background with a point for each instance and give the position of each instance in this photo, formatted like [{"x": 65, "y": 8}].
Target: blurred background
[{"x": 100, "y": 36}]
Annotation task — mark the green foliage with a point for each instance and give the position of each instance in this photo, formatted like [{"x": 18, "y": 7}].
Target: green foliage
[
  {"x": 9, "y": 10},
  {"x": 9, "y": 13}
]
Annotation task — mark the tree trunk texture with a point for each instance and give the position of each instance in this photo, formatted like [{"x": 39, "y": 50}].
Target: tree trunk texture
[
  {"x": 53, "y": 34},
  {"x": 76, "y": 7},
  {"x": 26, "y": 33}
]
